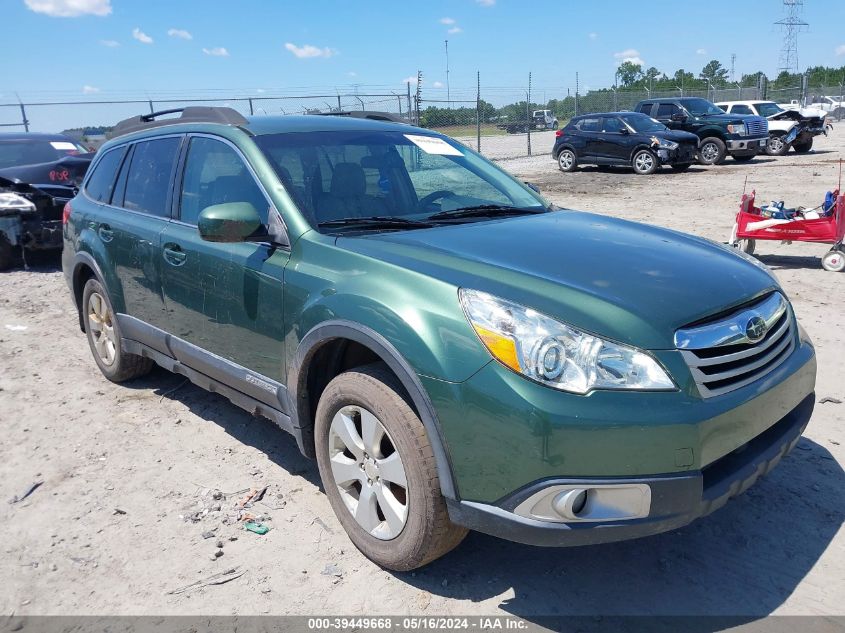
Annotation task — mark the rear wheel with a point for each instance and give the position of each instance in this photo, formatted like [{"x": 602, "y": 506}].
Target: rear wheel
[
  {"x": 834, "y": 261},
  {"x": 379, "y": 473},
  {"x": 644, "y": 162},
  {"x": 747, "y": 246},
  {"x": 103, "y": 334},
  {"x": 801, "y": 148},
  {"x": 712, "y": 151},
  {"x": 566, "y": 160},
  {"x": 776, "y": 145}
]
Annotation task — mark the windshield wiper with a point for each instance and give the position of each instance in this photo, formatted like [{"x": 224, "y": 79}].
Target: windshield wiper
[
  {"x": 376, "y": 221},
  {"x": 483, "y": 211}
]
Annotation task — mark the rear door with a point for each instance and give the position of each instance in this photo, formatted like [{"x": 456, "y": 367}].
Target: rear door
[
  {"x": 132, "y": 223},
  {"x": 665, "y": 111},
  {"x": 589, "y": 129},
  {"x": 224, "y": 298}
]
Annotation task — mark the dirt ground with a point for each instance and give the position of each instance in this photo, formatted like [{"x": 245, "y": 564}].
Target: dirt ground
[{"x": 129, "y": 471}]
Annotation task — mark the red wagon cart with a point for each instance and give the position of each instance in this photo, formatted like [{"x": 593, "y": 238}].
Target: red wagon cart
[{"x": 825, "y": 225}]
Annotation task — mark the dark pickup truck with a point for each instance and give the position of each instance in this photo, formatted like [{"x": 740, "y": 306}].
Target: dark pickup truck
[{"x": 720, "y": 134}]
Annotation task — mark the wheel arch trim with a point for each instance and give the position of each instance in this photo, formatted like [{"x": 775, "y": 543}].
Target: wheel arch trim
[{"x": 343, "y": 329}]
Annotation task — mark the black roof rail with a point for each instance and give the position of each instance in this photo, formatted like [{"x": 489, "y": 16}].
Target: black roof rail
[
  {"x": 367, "y": 114},
  {"x": 193, "y": 114}
]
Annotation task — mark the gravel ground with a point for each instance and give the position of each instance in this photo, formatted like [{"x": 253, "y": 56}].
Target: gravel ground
[{"x": 130, "y": 472}]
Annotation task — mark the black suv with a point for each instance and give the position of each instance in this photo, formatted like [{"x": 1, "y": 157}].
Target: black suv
[
  {"x": 720, "y": 134},
  {"x": 623, "y": 138}
]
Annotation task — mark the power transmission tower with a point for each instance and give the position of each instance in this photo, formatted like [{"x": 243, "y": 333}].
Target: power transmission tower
[
  {"x": 792, "y": 24},
  {"x": 733, "y": 67}
]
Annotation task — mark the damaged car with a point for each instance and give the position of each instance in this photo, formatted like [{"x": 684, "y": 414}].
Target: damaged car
[
  {"x": 624, "y": 139},
  {"x": 39, "y": 173},
  {"x": 787, "y": 128}
]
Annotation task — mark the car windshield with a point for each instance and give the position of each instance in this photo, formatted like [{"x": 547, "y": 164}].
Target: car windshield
[
  {"x": 700, "y": 107},
  {"x": 768, "y": 109},
  {"x": 335, "y": 176},
  {"x": 643, "y": 124},
  {"x": 26, "y": 152}
]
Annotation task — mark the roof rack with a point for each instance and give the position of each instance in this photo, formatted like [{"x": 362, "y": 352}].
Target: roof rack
[
  {"x": 193, "y": 114},
  {"x": 367, "y": 114}
]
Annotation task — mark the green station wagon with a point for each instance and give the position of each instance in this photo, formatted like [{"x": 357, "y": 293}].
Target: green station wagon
[{"x": 454, "y": 351}]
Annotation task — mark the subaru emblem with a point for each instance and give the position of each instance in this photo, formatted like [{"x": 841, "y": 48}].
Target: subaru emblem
[{"x": 755, "y": 329}]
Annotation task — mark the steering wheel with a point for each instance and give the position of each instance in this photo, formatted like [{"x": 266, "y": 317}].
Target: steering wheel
[{"x": 434, "y": 195}]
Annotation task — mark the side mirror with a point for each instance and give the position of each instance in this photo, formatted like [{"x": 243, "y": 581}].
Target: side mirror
[
  {"x": 532, "y": 186},
  {"x": 678, "y": 117},
  {"x": 229, "y": 222},
  {"x": 624, "y": 130}
]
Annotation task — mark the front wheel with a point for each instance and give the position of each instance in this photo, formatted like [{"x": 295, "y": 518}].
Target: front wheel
[
  {"x": 776, "y": 145},
  {"x": 379, "y": 473},
  {"x": 566, "y": 160},
  {"x": 103, "y": 334},
  {"x": 712, "y": 151},
  {"x": 834, "y": 261},
  {"x": 644, "y": 162},
  {"x": 804, "y": 147}
]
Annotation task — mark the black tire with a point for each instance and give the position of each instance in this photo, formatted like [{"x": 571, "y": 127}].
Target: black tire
[
  {"x": 427, "y": 533},
  {"x": 776, "y": 146},
  {"x": 644, "y": 162},
  {"x": 682, "y": 166},
  {"x": 567, "y": 160},
  {"x": 743, "y": 158},
  {"x": 7, "y": 253},
  {"x": 804, "y": 147},
  {"x": 124, "y": 366},
  {"x": 555, "y": 125},
  {"x": 712, "y": 151}
]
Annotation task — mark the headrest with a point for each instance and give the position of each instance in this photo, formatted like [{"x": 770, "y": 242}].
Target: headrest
[{"x": 348, "y": 180}]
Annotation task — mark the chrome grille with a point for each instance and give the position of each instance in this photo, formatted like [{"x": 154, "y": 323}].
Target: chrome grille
[
  {"x": 723, "y": 354},
  {"x": 757, "y": 126}
]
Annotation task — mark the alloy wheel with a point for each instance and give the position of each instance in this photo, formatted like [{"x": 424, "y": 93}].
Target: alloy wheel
[
  {"x": 710, "y": 152},
  {"x": 101, "y": 327},
  {"x": 776, "y": 144},
  {"x": 566, "y": 159},
  {"x": 368, "y": 471},
  {"x": 644, "y": 161}
]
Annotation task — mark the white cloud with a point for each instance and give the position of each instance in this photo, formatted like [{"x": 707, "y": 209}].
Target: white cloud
[
  {"x": 437, "y": 84},
  {"x": 351, "y": 73},
  {"x": 593, "y": 36},
  {"x": 182, "y": 34},
  {"x": 701, "y": 51},
  {"x": 486, "y": 3},
  {"x": 455, "y": 30},
  {"x": 217, "y": 51},
  {"x": 70, "y": 8},
  {"x": 89, "y": 90},
  {"x": 307, "y": 50},
  {"x": 447, "y": 21},
  {"x": 410, "y": 80},
  {"x": 142, "y": 37},
  {"x": 840, "y": 50},
  {"x": 629, "y": 55},
  {"x": 110, "y": 43}
]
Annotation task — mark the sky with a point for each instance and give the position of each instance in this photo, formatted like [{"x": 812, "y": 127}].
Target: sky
[{"x": 67, "y": 50}]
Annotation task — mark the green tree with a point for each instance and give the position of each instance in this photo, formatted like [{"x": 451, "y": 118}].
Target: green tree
[
  {"x": 714, "y": 72},
  {"x": 629, "y": 73}
]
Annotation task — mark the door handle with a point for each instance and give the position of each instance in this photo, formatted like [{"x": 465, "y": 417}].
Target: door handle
[
  {"x": 174, "y": 255},
  {"x": 105, "y": 232}
]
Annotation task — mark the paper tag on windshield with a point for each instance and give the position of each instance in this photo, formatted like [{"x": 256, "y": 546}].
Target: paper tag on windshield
[
  {"x": 433, "y": 145},
  {"x": 62, "y": 145}
]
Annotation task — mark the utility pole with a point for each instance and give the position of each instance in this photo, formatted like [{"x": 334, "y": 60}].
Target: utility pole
[
  {"x": 419, "y": 94},
  {"x": 448, "y": 93},
  {"x": 733, "y": 67}
]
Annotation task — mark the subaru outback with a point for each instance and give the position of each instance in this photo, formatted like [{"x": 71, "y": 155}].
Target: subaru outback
[{"x": 454, "y": 351}]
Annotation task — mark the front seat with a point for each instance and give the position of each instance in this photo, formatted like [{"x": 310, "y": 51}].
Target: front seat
[{"x": 347, "y": 196}]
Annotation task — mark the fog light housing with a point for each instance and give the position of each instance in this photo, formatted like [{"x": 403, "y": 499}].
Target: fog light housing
[{"x": 580, "y": 503}]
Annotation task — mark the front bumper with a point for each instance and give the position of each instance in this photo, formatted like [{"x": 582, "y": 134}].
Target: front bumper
[
  {"x": 684, "y": 154},
  {"x": 743, "y": 144},
  {"x": 676, "y": 499}
]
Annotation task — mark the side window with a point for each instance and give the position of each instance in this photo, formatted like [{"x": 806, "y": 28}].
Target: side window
[
  {"x": 148, "y": 180},
  {"x": 741, "y": 109},
  {"x": 666, "y": 110},
  {"x": 101, "y": 183},
  {"x": 645, "y": 108},
  {"x": 214, "y": 174},
  {"x": 611, "y": 125},
  {"x": 592, "y": 124}
]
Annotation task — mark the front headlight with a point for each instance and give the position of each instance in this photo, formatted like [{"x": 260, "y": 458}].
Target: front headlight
[
  {"x": 14, "y": 202},
  {"x": 556, "y": 354},
  {"x": 738, "y": 129},
  {"x": 665, "y": 144}
]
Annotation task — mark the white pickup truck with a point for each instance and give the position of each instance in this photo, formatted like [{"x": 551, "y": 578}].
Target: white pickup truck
[{"x": 787, "y": 128}]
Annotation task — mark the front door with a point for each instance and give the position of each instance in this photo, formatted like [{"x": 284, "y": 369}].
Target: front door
[
  {"x": 225, "y": 299},
  {"x": 613, "y": 144}
]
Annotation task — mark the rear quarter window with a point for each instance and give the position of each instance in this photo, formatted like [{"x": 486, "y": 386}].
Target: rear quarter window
[{"x": 101, "y": 183}]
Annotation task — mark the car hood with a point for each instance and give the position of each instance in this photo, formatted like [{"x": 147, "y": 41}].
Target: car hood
[
  {"x": 728, "y": 118},
  {"x": 630, "y": 282},
  {"x": 679, "y": 136}
]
